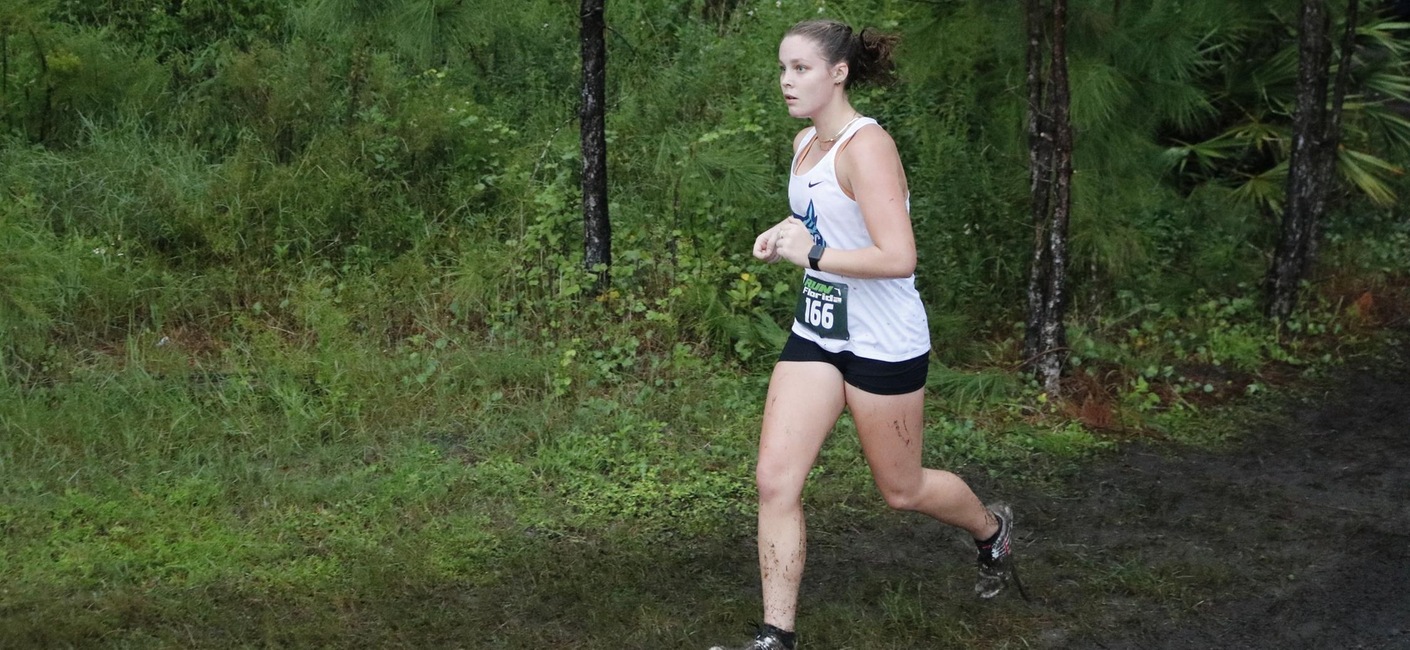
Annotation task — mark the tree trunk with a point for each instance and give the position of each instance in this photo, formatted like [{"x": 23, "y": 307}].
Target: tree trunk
[
  {"x": 1311, "y": 164},
  {"x": 1053, "y": 338},
  {"x": 1331, "y": 143},
  {"x": 1050, "y": 192},
  {"x": 1040, "y": 154},
  {"x": 597, "y": 229},
  {"x": 1343, "y": 80}
]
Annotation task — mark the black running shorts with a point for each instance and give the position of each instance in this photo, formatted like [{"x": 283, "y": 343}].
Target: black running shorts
[{"x": 870, "y": 375}]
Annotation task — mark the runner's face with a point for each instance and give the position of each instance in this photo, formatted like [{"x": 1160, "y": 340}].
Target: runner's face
[{"x": 807, "y": 81}]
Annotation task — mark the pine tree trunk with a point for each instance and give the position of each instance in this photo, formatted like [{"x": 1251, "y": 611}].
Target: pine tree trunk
[
  {"x": 1309, "y": 170},
  {"x": 1331, "y": 139},
  {"x": 1040, "y": 154},
  {"x": 1050, "y": 192},
  {"x": 597, "y": 229},
  {"x": 1053, "y": 338}
]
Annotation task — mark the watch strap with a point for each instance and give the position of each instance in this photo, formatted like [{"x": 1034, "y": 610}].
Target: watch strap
[{"x": 815, "y": 255}]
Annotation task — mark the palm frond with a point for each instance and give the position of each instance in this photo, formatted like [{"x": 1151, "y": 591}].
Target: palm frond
[
  {"x": 1390, "y": 84},
  {"x": 1266, "y": 189},
  {"x": 1368, "y": 173},
  {"x": 1384, "y": 34},
  {"x": 1272, "y": 78},
  {"x": 1204, "y": 154},
  {"x": 1265, "y": 137},
  {"x": 1389, "y": 123}
]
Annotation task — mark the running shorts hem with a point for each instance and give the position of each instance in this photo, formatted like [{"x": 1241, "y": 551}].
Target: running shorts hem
[{"x": 870, "y": 375}]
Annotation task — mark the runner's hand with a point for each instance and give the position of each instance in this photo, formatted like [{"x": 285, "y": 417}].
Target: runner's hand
[
  {"x": 793, "y": 242},
  {"x": 766, "y": 245}
]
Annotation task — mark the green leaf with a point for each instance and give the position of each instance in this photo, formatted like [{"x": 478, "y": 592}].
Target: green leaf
[
  {"x": 1266, "y": 189},
  {"x": 1367, "y": 173}
]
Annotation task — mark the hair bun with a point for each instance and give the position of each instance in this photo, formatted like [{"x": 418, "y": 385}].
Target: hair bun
[
  {"x": 873, "y": 56},
  {"x": 868, "y": 52}
]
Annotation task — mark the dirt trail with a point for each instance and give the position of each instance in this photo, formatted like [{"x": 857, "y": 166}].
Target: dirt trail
[{"x": 1298, "y": 538}]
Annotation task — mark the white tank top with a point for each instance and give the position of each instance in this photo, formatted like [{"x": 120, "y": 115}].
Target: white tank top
[{"x": 884, "y": 318}]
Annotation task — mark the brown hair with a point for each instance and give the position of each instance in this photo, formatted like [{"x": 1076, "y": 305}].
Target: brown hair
[{"x": 867, "y": 53}]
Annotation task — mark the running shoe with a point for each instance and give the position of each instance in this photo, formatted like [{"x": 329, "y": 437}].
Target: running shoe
[
  {"x": 767, "y": 638},
  {"x": 996, "y": 565}
]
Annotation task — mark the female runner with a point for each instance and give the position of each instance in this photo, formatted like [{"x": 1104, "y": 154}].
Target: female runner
[{"x": 859, "y": 340}]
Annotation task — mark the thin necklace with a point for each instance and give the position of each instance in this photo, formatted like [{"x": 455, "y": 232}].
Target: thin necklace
[{"x": 825, "y": 144}]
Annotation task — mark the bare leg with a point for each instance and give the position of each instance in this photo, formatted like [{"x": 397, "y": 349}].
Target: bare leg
[
  {"x": 804, "y": 402},
  {"x": 890, "y": 428}
]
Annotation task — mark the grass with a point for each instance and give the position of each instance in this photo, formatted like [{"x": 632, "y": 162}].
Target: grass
[
  {"x": 298, "y": 494},
  {"x": 297, "y": 481},
  {"x": 289, "y": 492}
]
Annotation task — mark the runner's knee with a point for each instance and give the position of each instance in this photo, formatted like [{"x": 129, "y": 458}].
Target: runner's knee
[
  {"x": 901, "y": 498},
  {"x": 776, "y": 485}
]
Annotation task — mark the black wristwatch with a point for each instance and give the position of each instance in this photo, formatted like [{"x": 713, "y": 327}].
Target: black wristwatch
[{"x": 815, "y": 255}]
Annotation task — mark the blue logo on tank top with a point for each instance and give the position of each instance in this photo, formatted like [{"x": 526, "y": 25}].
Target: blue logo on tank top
[{"x": 810, "y": 221}]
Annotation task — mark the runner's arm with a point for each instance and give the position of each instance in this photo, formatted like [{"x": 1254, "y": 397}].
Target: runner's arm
[{"x": 871, "y": 169}]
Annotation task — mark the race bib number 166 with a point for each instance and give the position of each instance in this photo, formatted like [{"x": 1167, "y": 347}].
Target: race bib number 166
[{"x": 822, "y": 308}]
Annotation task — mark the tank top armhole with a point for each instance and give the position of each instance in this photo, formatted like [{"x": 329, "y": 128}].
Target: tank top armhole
[
  {"x": 805, "y": 137},
  {"x": 837, "y": 157}
]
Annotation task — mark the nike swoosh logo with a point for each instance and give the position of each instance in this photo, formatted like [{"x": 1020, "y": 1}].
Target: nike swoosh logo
[{"x": 815, "y": 184}]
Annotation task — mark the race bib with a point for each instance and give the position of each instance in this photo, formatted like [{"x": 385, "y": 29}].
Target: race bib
[{"x": 822, "y": 308}]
